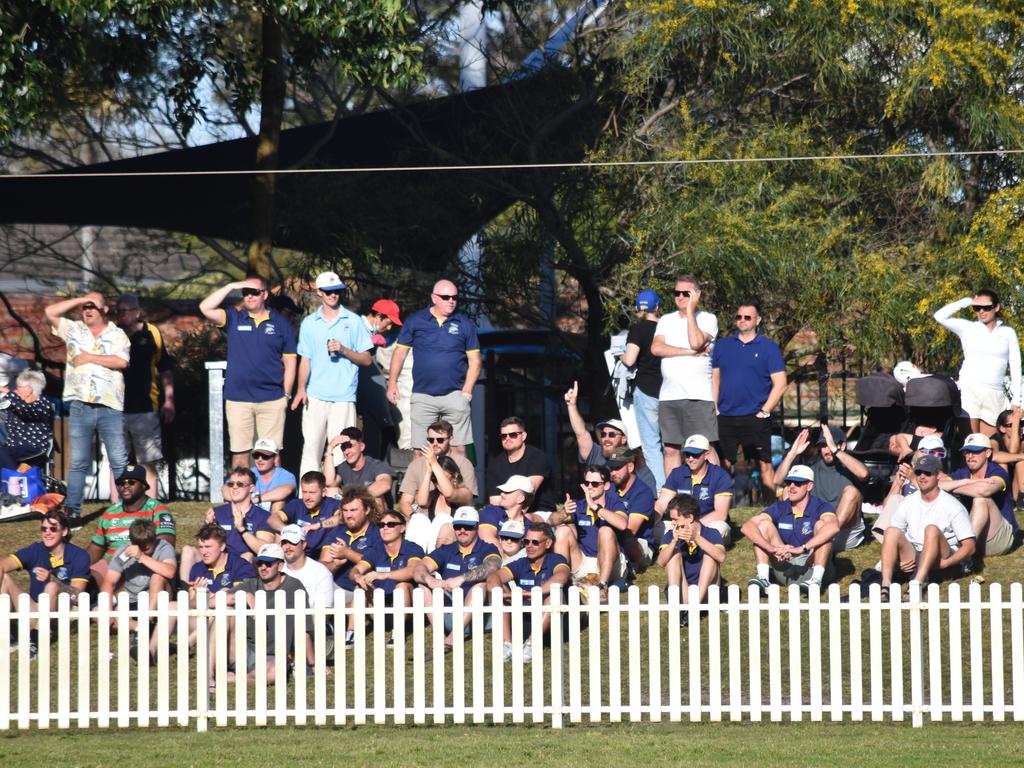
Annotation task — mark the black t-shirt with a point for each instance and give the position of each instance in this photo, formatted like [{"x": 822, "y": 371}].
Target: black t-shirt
[
  {"x": 148, "y": 357},
  {"x": 533, "y": 462},
  {"x": 648, "y": 366}
]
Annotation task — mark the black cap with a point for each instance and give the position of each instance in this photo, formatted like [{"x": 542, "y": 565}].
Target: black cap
[{"x": 134, "y": 472}]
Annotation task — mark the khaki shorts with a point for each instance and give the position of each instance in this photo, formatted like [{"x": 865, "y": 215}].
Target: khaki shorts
[
  {"x": 1000, "y": 542},
  {"x": 590, "y": 567},
  {"x": 983, "y": 402},
  {"x": 248, "y": 422},
  {"x": 722, "y": 527}
]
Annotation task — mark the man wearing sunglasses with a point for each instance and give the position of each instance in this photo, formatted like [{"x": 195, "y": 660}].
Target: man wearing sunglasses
[
  {"x": 356, "y": 468},
  {"x": 389, "y": 567},
  {"x": 246, "y": 525},
  {"x": 983, "y": 487},
  {"x": 684, "y": 340},
  {"x": 333, "y": 345},
  {"x": 463, "y": 565},
  {"x": 709, "y": 484},
  {"x": 929, "y": 533},
  {"x": 792, "y": 538},
  {"x": 542, "y": 569},
  {"x": 260, "y": 368},
  {"x": 989, "y": 348},
  {"x": 97, "y": 356},
  {"x": 518, "y": 458},
  {"x": 445, "y": 369},
  {"x": 904, "y": 483},
  {"x": 112, "y": 529},
  {"x": 439, "y": 440},
  {"x": 611, "y": 436},
  {"x": 748, "y": 377}
]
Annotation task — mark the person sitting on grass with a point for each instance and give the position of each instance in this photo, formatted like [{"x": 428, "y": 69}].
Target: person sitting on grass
[
  {"x": 690, "y": 553},
  {"x": 314, "y": 512},
  {"x": 930, "y": 533},
  {"x": 145, "y": 564},
  {"x": 389, "y": 567},
  {"x": 55, "y": 565},
  {"x": 541, "y": 568},
  {"x": 515, "y": 496},
  {"x": 463, "y": 565},
  {"x": 792, "y": 538},
  {"x": 217, "y": 569}
]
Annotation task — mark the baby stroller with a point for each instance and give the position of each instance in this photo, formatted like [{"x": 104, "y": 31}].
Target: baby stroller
[
  {"x": 885, "y": 415},
  {"x": 934, "y": 401}
]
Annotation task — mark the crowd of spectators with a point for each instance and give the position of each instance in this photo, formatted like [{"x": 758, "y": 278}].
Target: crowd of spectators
[{"x": 340, "y": 526}]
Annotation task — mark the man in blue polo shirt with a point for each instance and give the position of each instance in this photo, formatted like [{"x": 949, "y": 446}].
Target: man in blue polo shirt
[
  {"x": 708, "y": 483},
  {"x": 261, "y": 366},
  {"x": 445, "y": 368},
  {"x": 463, "y": 565},
  {"x": 315, "y": 513},
  {"x": 347, "y": 544},
  {"x": 217, "y": 568},
  {"x": 983, "y": 487},
  {"x": 691, "y": 554},
  {"x": 333, "y": 344},
  {"x": 541, "y": 568},
  {"x": 792, "y": 538},
  {"x": 637, "y": 541},
  {"x": 748, "y": 377}
]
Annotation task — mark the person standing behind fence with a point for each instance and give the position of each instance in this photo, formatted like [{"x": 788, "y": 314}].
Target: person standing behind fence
[
  {"x": 684, "y": 340},
  {"x": 748, "y": 378},
  {"x": 989, "y": 348},
  {"x": 97, "y": 355},
  {"x": 333, "y": 345},
  {"x": 149, "y": 375},
  {"x": 647, "y": 382},
  {"x": 260, "y": 367},
  {"x": 446, "y": 367}
]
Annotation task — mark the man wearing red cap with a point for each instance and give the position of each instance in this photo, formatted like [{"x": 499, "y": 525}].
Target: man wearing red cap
[{"x": 374, "y": 407}]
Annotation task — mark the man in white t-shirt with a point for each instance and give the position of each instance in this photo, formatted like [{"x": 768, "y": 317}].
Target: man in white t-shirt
[
  {"x": 316, "y": 579},
  {"x": 930, "y": 531},
  {"x": 684, "y": 340}
]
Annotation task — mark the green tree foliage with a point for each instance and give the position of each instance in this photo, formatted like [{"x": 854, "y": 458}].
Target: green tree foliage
[{"x": 862, "y": 251}]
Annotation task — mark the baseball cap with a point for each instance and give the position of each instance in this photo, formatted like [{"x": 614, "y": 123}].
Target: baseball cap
[
  {"x": 614, "y": 424},
  {"x": 930, "y": 443},
  {"x": 801, "y": 473},
  {"x": 976, "y": 443},
  {"x": 517, "y": 483},
  {"x": 905, "y": 370},
  {"x": 696, "y": 445},
  {"x": 647, "y": 300},
  {"x": 620, "y": 457},
  {"x": 514, "y": 529},
  {"x": 329, "y": 281},
  {"x": 292, "y": 533},
  {"x": 388, "y": 308},
  {"x": 838, "y": 436},
  {"x": 466, "y": 516},
  {"x": 269, "y": 553},
  {"x": 928, "y": 463},
  {"x": 266, "y": 445},
  {"x": 134, "y": 472}
]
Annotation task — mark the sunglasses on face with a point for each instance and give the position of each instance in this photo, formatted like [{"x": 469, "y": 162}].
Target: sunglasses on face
[
  {"x": 610, "y": 433},
  {"x": 237, "y": 484},
  {"x": 922, "y": 473},
  {"x": 510, "y": 538},
  {"x": 89, "y": 306},
  {"x": 128, "y": 482},
  {"x": 695, "y": 455},
  {"x": 593, "y": 483},
  {"x": 267, "y": 563},
  {"x": 797, "y": 483},
  {"x": 447, "y": 296},
  {"x": 332, "y": 291},
  {"x": 681, "y": 293},
  {"x": 983, "y": 307},
  {"x": 458, "y": 528},
  {"x": 744, "y": 317},
  {"x": 48, "y": 528},
  {"x": 391, "y": 524},
  {"x": 533, "y": 542},
  {"x": 510, "y": 435},
  {"x": 939, "y": 453},
  {"x": 436, "y": 439},
  {"x": 252, "y": 291},
  {"x": 262, "y": 456}
]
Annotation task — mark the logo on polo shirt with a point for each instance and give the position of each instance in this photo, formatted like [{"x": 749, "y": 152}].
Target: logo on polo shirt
[
  {"x": 453, "y": 329},
  {"x": 472, "y": 562},
  {"x": 807, "y": 528},
  {"x": 268, "y": 328},
  {"x": 61, "y": 573},
  {"x": 361, "y": 543},
  {"x": 704, "y": 494}
]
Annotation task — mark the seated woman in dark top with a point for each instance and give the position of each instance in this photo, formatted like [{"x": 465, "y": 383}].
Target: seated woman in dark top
[{"x": 29, "y": 420}]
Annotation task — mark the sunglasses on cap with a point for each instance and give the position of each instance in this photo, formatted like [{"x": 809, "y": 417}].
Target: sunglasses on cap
[
  {"x": 252, "y": 291},
  {"x": 681, "y": 293},
  {"x": 983, "y": 307}
]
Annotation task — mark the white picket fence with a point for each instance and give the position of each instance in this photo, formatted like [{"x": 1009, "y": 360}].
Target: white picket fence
[{"x": 829, "y": 656}]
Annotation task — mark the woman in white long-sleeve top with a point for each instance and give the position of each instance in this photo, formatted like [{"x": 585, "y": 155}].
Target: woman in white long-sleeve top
[{"x": 989, "y": 348}]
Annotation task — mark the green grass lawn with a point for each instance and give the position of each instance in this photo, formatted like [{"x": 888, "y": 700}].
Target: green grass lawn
[{"x": 707, "y": 744}]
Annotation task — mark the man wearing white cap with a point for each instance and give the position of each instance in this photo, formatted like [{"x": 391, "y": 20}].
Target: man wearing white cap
[
  {"x": 708, "y": 483},
  {"x": 275, "y": 485},
  {"x": 792, "y": 538},
  {"x": 316, "y": 578},
  {"x": 515, "y": 496},
  {"x": 984, "y": 488},
  {"x": 904, "y": 483},
  {"x": 510, "y": 541},
  {"x": 333, "y": 343},
  {"x": 611, "y": 434}
]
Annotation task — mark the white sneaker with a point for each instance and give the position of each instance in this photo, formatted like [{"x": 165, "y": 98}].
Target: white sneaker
[
  {"x": 506, "y": 651},
  {"x": 527, "y": 652}
]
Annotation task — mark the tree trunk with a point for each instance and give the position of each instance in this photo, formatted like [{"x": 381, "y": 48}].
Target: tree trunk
[{"x": 260, "y": 260}]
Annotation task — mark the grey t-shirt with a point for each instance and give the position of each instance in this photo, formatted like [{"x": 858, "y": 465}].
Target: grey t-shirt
[
  {"x": 830, "y": 480},
  {"x": 643, "y": 473},
  {"x": 371, "y": 470},
  {"x": 136, "y": 575},
  {"x": 284, "y": 595}
]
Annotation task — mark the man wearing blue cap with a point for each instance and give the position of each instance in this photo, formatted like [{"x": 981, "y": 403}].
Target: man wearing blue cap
[
  {"x": 333, "y": 343},
  {"x": 647, "y": 383},
  {"x": 748, "y": 377}
]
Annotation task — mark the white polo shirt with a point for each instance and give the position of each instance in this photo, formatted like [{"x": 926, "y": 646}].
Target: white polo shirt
[
  {"x": 689, "y": 377},
  {"x": 945, "y": 512}
]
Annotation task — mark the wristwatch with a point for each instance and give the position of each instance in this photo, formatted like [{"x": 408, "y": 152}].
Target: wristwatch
[{"x": 806, "y": 549}]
